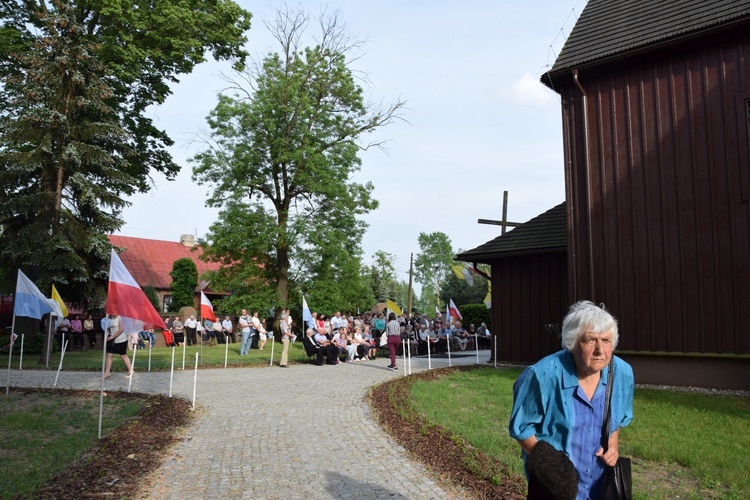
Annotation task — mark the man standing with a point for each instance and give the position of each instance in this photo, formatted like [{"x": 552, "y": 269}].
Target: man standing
[
  {"x": 191, "y": 326},
  {"x": 246, "y": 328},
  {"x": 286, "y": 337}
]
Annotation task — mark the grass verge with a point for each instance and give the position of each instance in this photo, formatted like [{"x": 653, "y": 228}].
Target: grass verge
[
  {"x": 43, "y": 432},
  {"x": 684, "y": 444},
  {"x": 53, "y": 452},
  {"x": 161, "y": 358}
]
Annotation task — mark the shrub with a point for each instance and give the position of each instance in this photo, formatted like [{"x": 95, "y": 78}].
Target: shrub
[{"x": 477, "y": 314}]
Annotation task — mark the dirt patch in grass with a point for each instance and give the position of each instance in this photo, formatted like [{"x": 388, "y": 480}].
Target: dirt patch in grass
[
  {"x": 667, "y": 481},
  {"x": 116, "y": 464},
  {"x": 449, "y": 456}
]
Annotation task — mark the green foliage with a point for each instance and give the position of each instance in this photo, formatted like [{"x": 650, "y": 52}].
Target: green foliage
[
  {"x": 475, "y": 314},
  {"x": 338, "y": 285},
  {"x": 431, "y": 264},
  {"x": 76, "y": 79},
  {"x": 382, "y": 279},
  {"x": 184, "y": 280},
  {"x": 153, "y": 297},
  {"x": 282, "y": 153},
  {"x": 461, "y": 292}
]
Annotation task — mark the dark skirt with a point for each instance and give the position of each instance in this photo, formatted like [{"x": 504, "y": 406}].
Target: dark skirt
[{"x": 120, "y": 348}]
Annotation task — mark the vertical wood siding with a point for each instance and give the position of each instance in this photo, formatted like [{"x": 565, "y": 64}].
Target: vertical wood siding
[
  {"x": 528, "y": 292},
  {"x": 668, "y": 212}
]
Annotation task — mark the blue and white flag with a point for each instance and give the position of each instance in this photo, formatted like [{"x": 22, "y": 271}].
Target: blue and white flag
[
  {"x": 29, "y": 302},
  {"x": 306, "y": 314}
]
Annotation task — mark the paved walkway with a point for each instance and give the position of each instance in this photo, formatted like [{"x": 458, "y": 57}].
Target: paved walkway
[{"x": 302, "y": 432}]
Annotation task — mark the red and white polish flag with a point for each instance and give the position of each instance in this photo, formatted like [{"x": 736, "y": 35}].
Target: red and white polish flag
[
  {"x": 454, "y": 312},
  {"x": 127, "y": 300},
  {"x": 207, "y": 310}
]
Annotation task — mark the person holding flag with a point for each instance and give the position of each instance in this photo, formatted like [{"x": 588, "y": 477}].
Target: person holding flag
[
  {"x": 117, "y": 343},
  {"x": 129, "y": 310}
]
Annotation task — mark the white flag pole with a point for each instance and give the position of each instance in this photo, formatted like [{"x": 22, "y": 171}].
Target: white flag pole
[
  {"x": 226, "y": 349},
  {"x": 408, "y": 348},
  {"x": 171, "y": 374},
  {"x": 10, "y": 353},
  {"x": 273, "y": 343},
  {"x": 62, "y": 356},
  {"x": 195, "y": 380},
  {"x": 150, "y": 346},
  {"x": 403, "y": 351},
  {"x": 429, "y": 358},
  {"x": 476, "y": 346},
  {"x": 184, "y": 344},
  {"x": 448, "y": 341},
  {"x": 50, "y": 340},
  {"x": 104, "y": 361},
  {"x": 132, "y": 367},
  {"x": 20, "y": 363}
]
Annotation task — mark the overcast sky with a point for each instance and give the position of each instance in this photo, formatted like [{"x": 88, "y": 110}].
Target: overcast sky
[{"x": 479, "y": 121}]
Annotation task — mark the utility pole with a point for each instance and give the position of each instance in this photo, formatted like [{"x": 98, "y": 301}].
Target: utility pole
[
  {"x": 504, "y": 222},
  {"x": 411, "y": 274}
]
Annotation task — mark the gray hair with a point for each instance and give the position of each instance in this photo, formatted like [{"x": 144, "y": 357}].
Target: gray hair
[{"x": 585, "y": 316}]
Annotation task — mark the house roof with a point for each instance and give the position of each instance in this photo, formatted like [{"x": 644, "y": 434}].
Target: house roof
[
  {"x": 608, "y": 28},
  {"x": 544, "y": 233},
  {"x": 150, "y": 261}
]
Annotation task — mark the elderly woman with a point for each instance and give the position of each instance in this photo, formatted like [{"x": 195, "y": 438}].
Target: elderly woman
[{"x": 560, "y": 400}]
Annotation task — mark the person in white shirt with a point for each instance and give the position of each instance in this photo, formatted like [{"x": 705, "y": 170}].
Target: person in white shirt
[
  {"x": 286, "y": 337},
  {"x": 227, "y": 328},
  {"x": 117, "y": 343},
  {"x": 191, "y": 326},
  {"x": 336, "y": 322}
]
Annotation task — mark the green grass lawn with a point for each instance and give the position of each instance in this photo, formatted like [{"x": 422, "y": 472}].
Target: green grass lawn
[
  {"x": 43, "y": 432},
  {"x": 689, "y": 445},
  {"x": 161, "y": 358}
]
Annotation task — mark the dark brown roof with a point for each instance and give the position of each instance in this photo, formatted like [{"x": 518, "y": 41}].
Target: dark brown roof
[
  {"x": 544, "y": 233},
  {"x": 150, "y": 261},
  {"x": 608, "y": 28}
]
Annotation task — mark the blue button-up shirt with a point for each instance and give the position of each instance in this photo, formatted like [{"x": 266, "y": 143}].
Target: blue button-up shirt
[{"x": 545, "y": 405}]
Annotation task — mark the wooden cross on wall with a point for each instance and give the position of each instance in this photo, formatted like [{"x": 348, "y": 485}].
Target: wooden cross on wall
[{"x": 504, "y": 223}]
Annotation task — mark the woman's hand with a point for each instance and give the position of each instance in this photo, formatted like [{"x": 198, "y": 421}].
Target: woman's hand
[{"x": 613, "y": 453}]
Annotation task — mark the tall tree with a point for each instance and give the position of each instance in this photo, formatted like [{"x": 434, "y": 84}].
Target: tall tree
[
  {"x": 431, "y": 264},
  {"x": 383, "y": 279},
  {"x": 283, "y": 150},
  {"x": 76, "y": 78},
  {"x": 184, "y": 280}
]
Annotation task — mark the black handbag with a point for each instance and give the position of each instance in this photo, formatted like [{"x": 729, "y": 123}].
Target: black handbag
[{"x": 617, "y": 483}]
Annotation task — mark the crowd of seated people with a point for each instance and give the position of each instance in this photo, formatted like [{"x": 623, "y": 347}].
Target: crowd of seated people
[
  {"x": 343, "y": 338},
  {"x": 339, "y": 345}
]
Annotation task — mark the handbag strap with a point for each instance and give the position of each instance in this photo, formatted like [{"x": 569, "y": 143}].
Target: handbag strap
[{"x": 608, "y": 405}]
